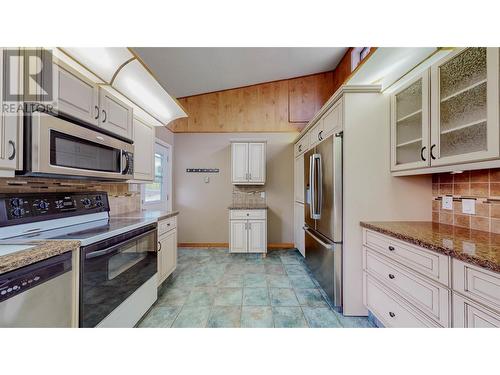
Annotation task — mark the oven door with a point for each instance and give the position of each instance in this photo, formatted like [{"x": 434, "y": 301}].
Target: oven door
[
  {"x": 60, "y": 147},
  {"x": 113, "y": 269}
]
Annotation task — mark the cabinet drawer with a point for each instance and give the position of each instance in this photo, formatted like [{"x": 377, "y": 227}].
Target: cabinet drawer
[
  {"x": 425, "y": 295},
  {"x": 428, "y": 263},
  {"x": 468, "y": 314},
  {"x": 247, "y": 214},
  {"x": 165, "y": 225},
  {"x": 477, "y": 283},
  {"x": 392, "y": 311},
  {"x": 302, "y": 145}
]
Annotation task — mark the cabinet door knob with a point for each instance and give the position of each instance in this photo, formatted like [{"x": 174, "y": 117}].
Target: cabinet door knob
[
  {"x": 391, "y": 314},
  {"x": 320, "y": 135},
  {"x": 432, "y": 154},
  {"x": 13, "y": 155},
  {"x": 391, "y": 276},
  {"x": 104, "y": 115},
  {"x": 159, "y": 246},
  {"x": 391, "y": 248},
  {"x": 96, "y": 112},
  {"x": 422, "y": 153}
]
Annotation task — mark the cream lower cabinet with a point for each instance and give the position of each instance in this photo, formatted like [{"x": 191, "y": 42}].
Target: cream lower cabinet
[
  {"x": 144, "y": 151},
  {"x": 476, "y": 296},
  {"x": 167, "y": 248},
  {"x": 299, "y": 233},
  {"x": 248, "y": 231},
  {"x": 409, "y": 286}
]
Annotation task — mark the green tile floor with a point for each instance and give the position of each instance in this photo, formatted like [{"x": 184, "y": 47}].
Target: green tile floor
[{"x": 212, "y": 288}]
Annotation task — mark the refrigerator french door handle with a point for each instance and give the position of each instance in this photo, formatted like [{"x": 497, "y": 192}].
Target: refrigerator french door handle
[
  {"x": 324, "y": 244},
  {"x": 315, "y": 184},
  {"x": 311, "y": 186}
]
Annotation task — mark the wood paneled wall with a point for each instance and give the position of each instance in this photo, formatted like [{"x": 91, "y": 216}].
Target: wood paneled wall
[{"x": 280, "y": 106}]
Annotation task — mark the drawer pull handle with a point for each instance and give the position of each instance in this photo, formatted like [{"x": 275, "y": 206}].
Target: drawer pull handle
[
  {"x": 391, "y": 248},
  {"x": 248, "y": 214},
  {"x": 391, "y": 276},
  {"x": 159, "y": 246},
  {"x": 391, "y": 314}
]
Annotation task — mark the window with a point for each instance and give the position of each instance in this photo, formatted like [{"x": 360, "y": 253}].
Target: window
[
  {"x": 157, "y": 193},
  {"x": 358, "y": 54}
]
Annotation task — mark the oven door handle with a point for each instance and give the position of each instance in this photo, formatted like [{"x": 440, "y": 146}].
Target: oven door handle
[{"x": 115, "y": 248}]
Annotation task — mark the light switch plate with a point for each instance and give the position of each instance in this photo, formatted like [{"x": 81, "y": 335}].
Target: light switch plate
[
  {"x": 447, "y": 202},
  {"x": 469, "y": 206},
  {"x": 262, "y": 194}
]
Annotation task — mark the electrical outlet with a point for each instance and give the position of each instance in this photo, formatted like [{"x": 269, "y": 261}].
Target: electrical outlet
[
  {"x": 447, "y": 202},
  {"x": 207, "y": 180},
  {"x": 469, "y": 206},
  {"x": 262, "y": 194}
]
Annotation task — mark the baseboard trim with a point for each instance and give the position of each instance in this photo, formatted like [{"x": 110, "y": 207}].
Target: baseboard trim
[
  {"x": 203, "y": 244},
  {"x": 284, "y": 245}
]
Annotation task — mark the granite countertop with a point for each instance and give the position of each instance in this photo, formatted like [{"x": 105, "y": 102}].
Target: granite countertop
[
  {"x": 40, "y": 250},
  {"x": 147, "y": 214},
  {"x": 472, "y": 246},
  {"x": 247, "y": 206}
]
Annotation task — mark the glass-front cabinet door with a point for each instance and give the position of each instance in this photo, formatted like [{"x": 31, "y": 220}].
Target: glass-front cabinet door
[
  {"x": 464, "y": 107},
  {"x": 410, "y": 124}
]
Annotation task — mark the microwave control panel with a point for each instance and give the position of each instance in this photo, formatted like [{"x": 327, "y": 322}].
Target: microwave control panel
[{"x": 25, "y": 208}]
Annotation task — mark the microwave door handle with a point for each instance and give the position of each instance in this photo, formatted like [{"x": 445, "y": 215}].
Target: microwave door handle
[
  {"x": 311, "y": 186},
  {"x": 126, "y": 162}
]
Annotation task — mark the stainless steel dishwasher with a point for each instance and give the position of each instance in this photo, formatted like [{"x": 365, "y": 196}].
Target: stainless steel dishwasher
[{"x": 38, "y": 295}]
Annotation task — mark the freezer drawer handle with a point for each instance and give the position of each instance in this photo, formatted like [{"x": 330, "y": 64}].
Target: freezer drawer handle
[{"x": 328, "y": 246}]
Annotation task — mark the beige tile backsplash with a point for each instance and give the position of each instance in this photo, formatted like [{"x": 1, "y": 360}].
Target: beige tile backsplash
[
  {"x": 483, "y": 185},
  {"x": 248, "y": 194},
  {"x": 121, "y": 198}
]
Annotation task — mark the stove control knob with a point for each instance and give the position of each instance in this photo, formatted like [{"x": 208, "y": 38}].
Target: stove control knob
[
  {"x": 17, "y": 212},
  {"x": 86, "y": 202},
  {"x": 99, "y": 204},
  {"x": 43, "y": 205},
  {"x": 16, "y": 202}
]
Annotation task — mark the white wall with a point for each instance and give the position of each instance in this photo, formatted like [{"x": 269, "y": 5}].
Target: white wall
[
  {"x": 203, "y": 207},
  {"x": 370, "y": 192}
]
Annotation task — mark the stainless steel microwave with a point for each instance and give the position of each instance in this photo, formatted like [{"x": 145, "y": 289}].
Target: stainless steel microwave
[{"x": 55, "y": 147}]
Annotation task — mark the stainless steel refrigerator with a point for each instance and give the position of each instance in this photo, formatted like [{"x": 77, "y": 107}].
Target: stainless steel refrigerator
[{"x": 323, "y": 215}]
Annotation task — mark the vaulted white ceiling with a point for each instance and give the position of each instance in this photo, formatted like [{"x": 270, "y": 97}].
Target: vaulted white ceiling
[{"x": 190, "y": 71}]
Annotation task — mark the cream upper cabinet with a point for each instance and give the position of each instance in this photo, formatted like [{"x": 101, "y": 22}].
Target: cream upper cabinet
[
  {"x": 248, "y": 161},
  {"x": 75, "y": 95},
  {"x": 410, "y": 124},
  {"x": 332, "y": 120},
  {"x": 144, "y": 136},
  {"x": 257, "y": 163},
  {"x": 115, "y": 116},
  {"x": 464, "y": 109},
  {"x": 9, "y": 125}
]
